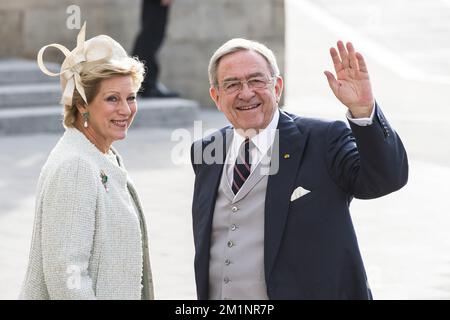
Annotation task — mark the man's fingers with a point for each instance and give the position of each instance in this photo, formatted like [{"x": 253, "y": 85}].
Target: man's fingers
[
  {"x": 336, "y": 60},
  {"x": 361, "y": 62},
  {"x": 343, "y": 53},
  {"x": 350, "y": 48},
  {"x": 332, "y": 81},
  {"x": 352, "y": 56}
]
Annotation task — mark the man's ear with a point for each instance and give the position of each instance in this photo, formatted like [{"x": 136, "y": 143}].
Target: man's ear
[
  {"x": 278, "y": 87},
  {"x": 214, "y": 93}
]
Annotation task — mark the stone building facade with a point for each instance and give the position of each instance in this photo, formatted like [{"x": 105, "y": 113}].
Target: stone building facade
[{"x": 196, "y": 29}]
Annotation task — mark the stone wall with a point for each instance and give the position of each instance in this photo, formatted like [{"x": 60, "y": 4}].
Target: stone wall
[
  {"x": 27, "y": 25},
  {"x": 196, "y": 29}
]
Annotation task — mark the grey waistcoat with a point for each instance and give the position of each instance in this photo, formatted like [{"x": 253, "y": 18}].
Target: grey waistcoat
[{"x": 236, "y": 267}]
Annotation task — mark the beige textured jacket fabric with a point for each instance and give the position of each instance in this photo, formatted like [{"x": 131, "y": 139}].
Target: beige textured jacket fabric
[{"x": 89, "y": 241}]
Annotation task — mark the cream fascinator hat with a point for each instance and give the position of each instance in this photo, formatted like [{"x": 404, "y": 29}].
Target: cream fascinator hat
[{"x": 87, "y": 54}]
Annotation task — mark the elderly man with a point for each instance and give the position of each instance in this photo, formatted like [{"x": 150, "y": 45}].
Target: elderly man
[{"x": 272, "y": 191}]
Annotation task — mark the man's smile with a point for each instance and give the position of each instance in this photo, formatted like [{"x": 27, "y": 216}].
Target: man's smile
[{"x": 248, "y": 107}]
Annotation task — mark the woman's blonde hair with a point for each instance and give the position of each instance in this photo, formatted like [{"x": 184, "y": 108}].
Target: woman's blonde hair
[{"x": 91, "y": 79}]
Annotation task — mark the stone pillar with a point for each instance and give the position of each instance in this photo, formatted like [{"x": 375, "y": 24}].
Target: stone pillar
[{"x": 196, "y": 29}]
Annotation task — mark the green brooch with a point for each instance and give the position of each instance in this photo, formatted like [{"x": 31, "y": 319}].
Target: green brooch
[{"x": 104, "y": 178}]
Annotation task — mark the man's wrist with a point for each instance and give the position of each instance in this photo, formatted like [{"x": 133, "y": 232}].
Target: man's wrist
[
  {"x": 361, "y": 112},
  {"x": 362, "y": 121}
]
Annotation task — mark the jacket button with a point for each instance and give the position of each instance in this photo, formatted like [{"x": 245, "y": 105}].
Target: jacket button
[
  {"x": 230, "y": 244},
  {"x": 233, "y": 227},
  {"x": 226, "y": 280},
  {"x": 234, "y": 209},
  {"x": 227, "y": 262}
]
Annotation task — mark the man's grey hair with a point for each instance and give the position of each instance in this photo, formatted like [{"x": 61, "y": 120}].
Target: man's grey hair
[{"x": 239, "y": 44}]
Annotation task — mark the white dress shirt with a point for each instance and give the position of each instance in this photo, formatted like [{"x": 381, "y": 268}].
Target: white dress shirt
[{"x": 261, "y": 144}]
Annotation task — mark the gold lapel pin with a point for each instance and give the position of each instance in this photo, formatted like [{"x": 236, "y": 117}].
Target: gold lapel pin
[{"x": 287, "y": 155}]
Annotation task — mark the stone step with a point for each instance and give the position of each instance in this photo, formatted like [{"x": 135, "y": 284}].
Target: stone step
[
  {"x": 17, "y": 71},
  {"x": 152, "y": 113},
  {"x": 29, "y": 95}
]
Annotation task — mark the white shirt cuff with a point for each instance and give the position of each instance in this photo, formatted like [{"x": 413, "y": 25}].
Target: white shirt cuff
[{"x": 361, "y": 121}]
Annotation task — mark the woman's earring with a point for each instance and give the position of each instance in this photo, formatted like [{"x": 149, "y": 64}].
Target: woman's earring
[{"x": 85, "y": 118}]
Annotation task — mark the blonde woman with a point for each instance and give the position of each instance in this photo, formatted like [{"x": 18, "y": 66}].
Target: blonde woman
[{"x": 89, "y": 237}]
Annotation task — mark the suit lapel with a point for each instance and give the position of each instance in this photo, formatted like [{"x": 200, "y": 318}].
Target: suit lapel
[
  {"x": 291, "y": 143},
  {"x": 212, "y": 175},
  {"x": 210, "y": 179}
]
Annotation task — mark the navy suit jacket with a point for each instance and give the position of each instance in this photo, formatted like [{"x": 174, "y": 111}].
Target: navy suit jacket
[{"x": 310, "y": 246}]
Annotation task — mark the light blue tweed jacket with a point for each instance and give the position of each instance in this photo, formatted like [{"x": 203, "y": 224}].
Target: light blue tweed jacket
[{"x": 89, "y": 238}]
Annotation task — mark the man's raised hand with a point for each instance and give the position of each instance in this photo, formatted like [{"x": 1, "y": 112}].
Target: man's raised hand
[{"x": 351, "y": 84}]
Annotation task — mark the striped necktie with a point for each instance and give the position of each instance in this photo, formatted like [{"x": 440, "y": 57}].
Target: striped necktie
[{"x": 242, "y": 166}]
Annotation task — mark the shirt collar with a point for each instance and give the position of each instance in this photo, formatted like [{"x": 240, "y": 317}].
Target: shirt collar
[{"x": 263, "y": 140}]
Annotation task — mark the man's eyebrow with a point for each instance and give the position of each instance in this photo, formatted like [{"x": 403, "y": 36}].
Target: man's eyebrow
[
  {"x": 231, "y": 79},
  {"x": 252, "y": 75},
  {"x": 255, "y": 74}
]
